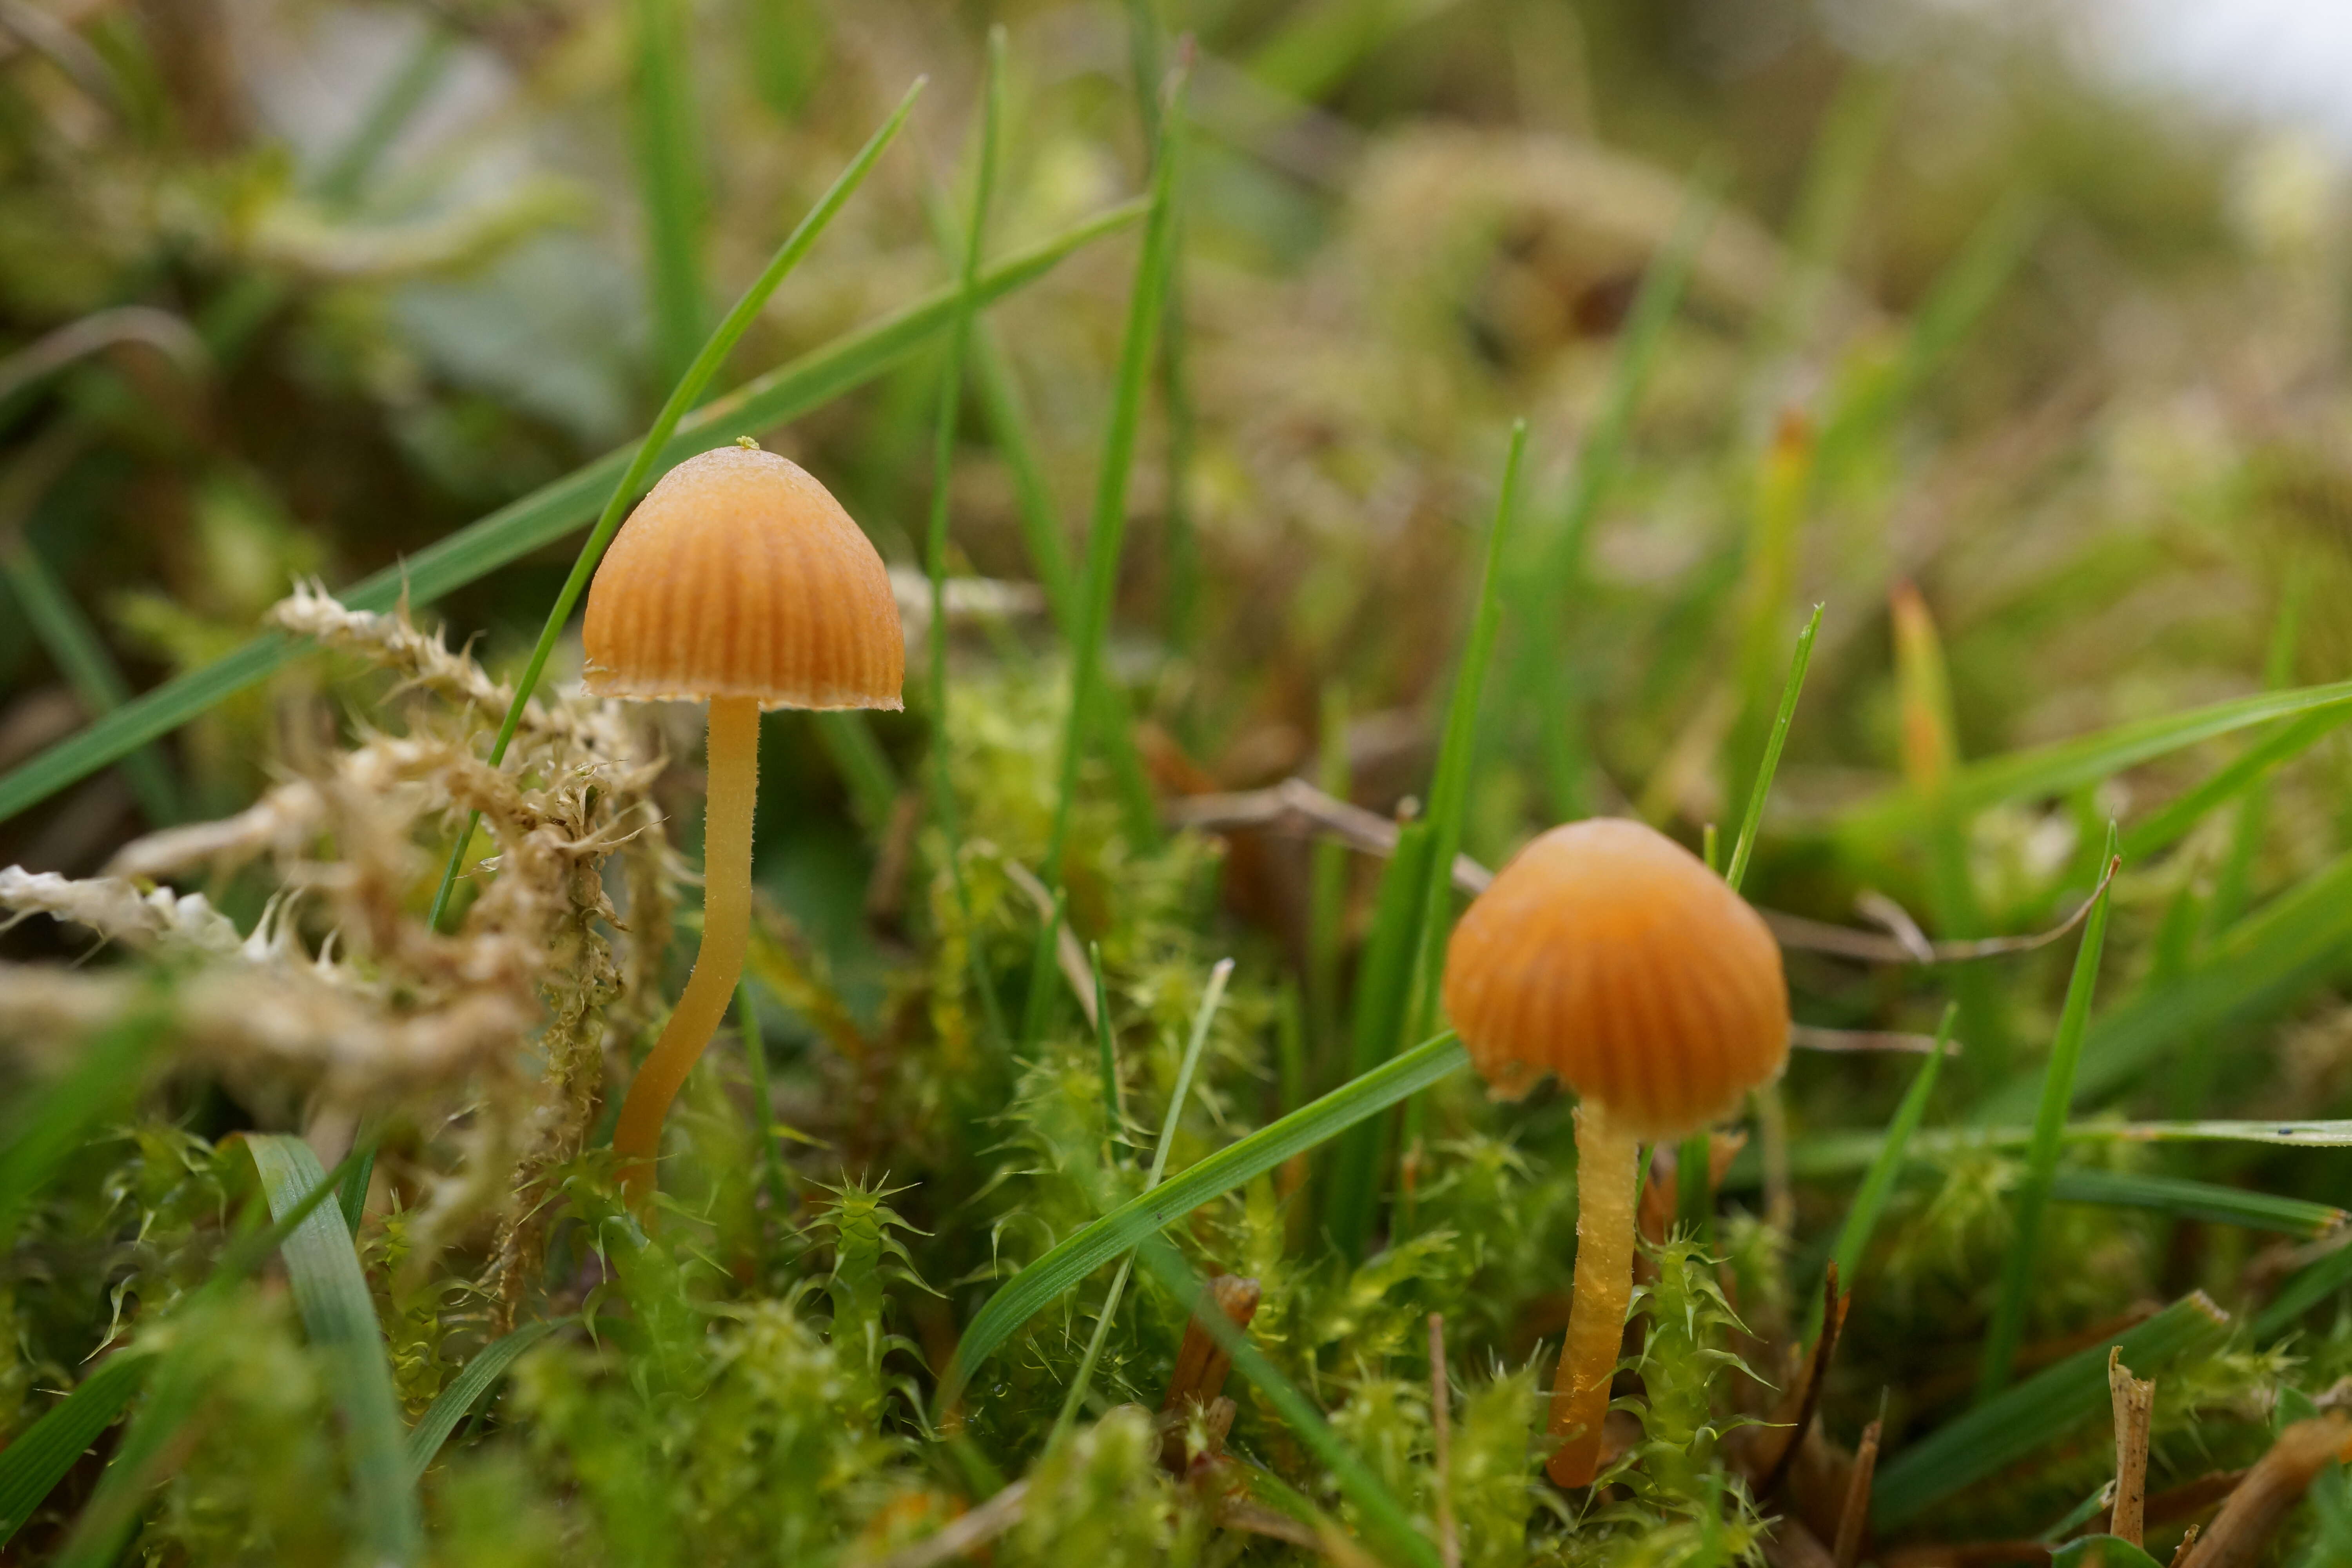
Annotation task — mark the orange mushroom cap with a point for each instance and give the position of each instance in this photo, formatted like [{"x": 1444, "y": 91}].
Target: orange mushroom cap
[
  {"x": 742, "y": 577},
  {"x": 1608, "y": 953}
]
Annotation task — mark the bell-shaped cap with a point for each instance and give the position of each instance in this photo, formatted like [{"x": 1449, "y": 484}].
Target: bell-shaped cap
[
  {"x": 1611, "y": 955},
  {"x": 740, "y": 576}
]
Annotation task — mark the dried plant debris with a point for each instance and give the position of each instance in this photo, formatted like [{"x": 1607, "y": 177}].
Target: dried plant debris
[{"x": 342, "y": 998}]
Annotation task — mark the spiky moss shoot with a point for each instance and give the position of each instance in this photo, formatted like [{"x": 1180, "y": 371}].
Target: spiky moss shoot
[
  {"x": 868, "y": 1257},
  {"x": 692, "y": 1473},
  {"x": 1685, "y": 1366},
  {"x": 1491, "y": 1470},
  {"x": 1098, "y": 1499}
]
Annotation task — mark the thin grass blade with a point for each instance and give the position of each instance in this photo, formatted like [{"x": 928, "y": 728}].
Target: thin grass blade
[
  {"x": 457, "y": 1401},
  {"x": 2023, "y": 1261},
  {"x": 2250, "y": 768},
  {"x": 1029, "y": 1291},
  {"x": 80, "y": 656},
  {"x": 331, "y": 1294},
  {"x": 2207, "y": 1201},
  {"x": 38, "y": 1458},
  {"x": 2042, "y": 770},
  {"x": 1106, "y": 528},
  {"x": 1744, "y": 849},
  {"x": 944, "y": 810},
  {"x": 1383, "y": 991},
  {"x": 1202, "y": 1018},
  {"x": 546, "y": 514},
  {"x": 2307, "y": 1287},
  {"x": 1870, "y": 1199},
  {"x": 2036, "y": 1411},
  {"x": 1554, "y": 585},
  {"x": 669, "y": 181},
  {"x": 175, "y": 1389},
  {"x": 1356, "y": 1479},
  {"x": 2301, "y": 938},
  {"x": 691, "y": 384},
  {"x": 1842, "y": 1153}
]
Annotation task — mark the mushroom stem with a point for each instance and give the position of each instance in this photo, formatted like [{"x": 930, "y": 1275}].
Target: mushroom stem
[
  {"x": 1607, "y": 1172},
  {"x": 726, "y": 931}
]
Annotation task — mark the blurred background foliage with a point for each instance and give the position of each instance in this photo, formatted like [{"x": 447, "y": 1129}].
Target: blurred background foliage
[{"x": 2033, "y": 376}]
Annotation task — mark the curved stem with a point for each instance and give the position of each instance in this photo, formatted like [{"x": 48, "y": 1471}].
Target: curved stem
[
  {"x": 726, "y": 931},
  {"x": 1607, "y": 1174}
]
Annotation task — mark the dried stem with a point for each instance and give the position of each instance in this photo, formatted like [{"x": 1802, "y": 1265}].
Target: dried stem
[{"x": 2133, "y": 1399}]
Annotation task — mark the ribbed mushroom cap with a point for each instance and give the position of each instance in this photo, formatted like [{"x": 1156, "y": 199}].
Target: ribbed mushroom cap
[
  {"x": 740, "y": 576},
  {"x": 1609, "y": 954}
]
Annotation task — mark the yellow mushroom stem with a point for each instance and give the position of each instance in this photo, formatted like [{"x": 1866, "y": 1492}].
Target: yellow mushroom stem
[
  {"x": 1607, "y": 1177},
  {"x": 726, "y": 931}
]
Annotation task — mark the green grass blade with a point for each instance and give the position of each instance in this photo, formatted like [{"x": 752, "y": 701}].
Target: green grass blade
[
  {"x": 2008, "y": 1326},
  {"x": 2234, "y": 878},
  {"x": 457, "y": 1401},
  {"x": 1326, "y": 899},
  {"x": 2056, "y": 769},
  {"x": 2315, "y": 1282},
  {"x": 1106, "y": 528},
  {"x": 1745, "y": 847},
  {"x": 1554, "y": 585},
  {"x": 1201, "y": 1019},
  {"x": 332, "y": 1293},
  {"x": 669, "y": 181},
  {"x": 176, "y": 1390},
  {"x": 1356, "y": 1480},
  {"x": 351, "y": 1193},
  {"x": 2299, "y": 940},
  {"x": 2250, "y": 768},
  {"x": 1842, "y": 1153},
  {"x": 935, "y": 554},
  {"x": 1384, "y": 990},
  {"x": 546, "y": 514},
  {"x": 683, "y": 396},
  {"x": 1449, "y": 789},
  {"x": 2043, "y": 1408},
  {"x": 50, "y": 1123},
  {"x": 79, "y": 654},
  {"x": 1016, "y": 439},
  {"x": 2196, "y": 1200},
  {"x": 1870, "y": 1199},
  {"x": 1081, "y": 1254},
  {"x": 38, "y": 1458}
]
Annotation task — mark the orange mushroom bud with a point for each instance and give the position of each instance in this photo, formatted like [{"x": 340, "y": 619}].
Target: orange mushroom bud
[
  {"x": 1609, "y": 956},
  {"x": 739, "y": 580}
]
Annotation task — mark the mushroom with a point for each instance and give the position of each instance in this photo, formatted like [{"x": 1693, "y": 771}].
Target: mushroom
[
  {"x": 1611, "y": 955},
  {"x": 739, "y": 580}
]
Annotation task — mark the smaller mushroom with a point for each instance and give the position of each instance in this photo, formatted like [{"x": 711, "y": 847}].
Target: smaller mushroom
[
  {"x": 1611, "y": 955},
  {"x": 739, "y": 580}
]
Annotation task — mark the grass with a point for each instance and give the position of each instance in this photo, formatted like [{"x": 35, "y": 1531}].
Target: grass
[{"x": 1779, "y": 341}]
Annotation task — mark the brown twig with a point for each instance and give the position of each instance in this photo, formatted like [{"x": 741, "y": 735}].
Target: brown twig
[
  {"x": 1295, "y": 806},
  {"x": 1196, "y": 1384},
  {"x": 2276, "y": 1484},
  {"x": 2133, "y": 1399},
  {"x": 1797, "y": 1409},
  {"x": 1441, "y": 1419},
  {"x": 1854, "y": 1521}
]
